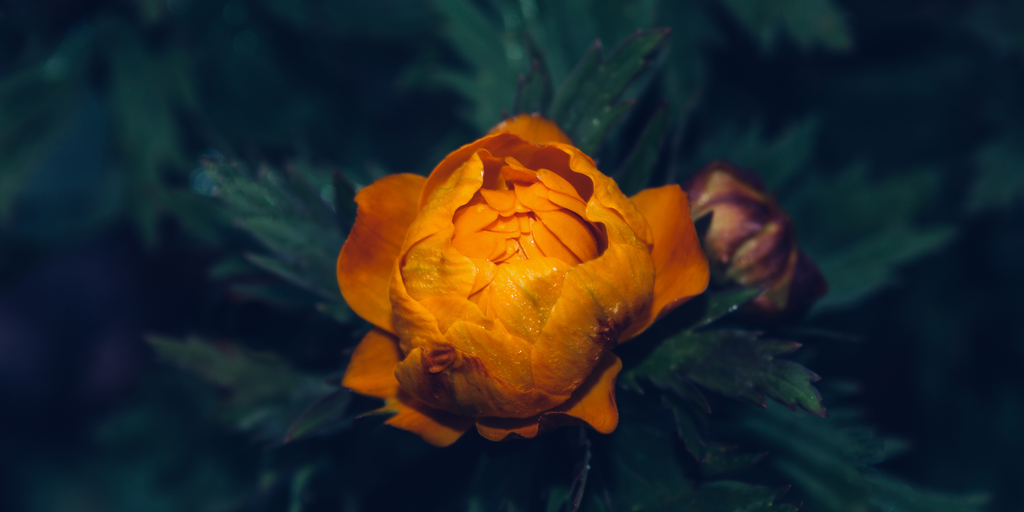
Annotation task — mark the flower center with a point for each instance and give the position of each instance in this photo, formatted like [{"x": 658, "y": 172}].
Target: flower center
[{"x": 523, "y": 214}]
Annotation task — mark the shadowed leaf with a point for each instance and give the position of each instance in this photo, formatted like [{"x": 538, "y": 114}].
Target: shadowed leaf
[
  {"x": 585, "y": 104},
  {"x": 734, "y": 363}
]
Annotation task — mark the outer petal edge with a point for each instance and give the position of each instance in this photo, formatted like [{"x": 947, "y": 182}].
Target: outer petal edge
[{"x": 386, "y": 209}]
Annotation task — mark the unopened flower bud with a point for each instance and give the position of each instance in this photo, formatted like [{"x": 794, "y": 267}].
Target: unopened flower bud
[{"x": 751, "y": 242}]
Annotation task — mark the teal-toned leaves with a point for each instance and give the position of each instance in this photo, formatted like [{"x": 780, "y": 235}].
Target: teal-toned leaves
[
  {"x": 495, "y": 53},
  {"x": 999, "y": 177},
  {"x": 636, "y": 171},
  {"x": 327, "y": 414},
  {"x": 534, "y": 92},
  {"x": 585, "y": 105},
  {"x": 828, "y": 462},
  {"x": 733, "y": 363},
  {"x": 858, "y": 228},
  {"x": 808, "y": 23},
  {"x": 266, "y": 393},
  {"x": 648, "y": 478},
  {"x": 293, "y": 217},
  {"x": 720, "y": 304},
  {"x": 715, "y": 459}
]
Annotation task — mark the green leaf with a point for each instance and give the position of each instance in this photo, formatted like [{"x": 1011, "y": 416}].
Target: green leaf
[
  {"x": 266, "y": 394},
  {"x": 292, "y": 216},
  {"x": 828, "y": 462},
  {"x": 734, "y": 363},
  {"x": 999, "y": 181},
  {"x": 496, "y": 55},
  {"x": 720, "y": 304},
  {"x": 808, "y": 23},
  {"x": 149, "y": 89},
  {"x": 647, "y": 477},
  {"x": 585, "y": 104},
  {"x": 327, "y": 414},
  {"x": 777, "y": 160},
  {"x": 36, "y": 104},
  {"x": 534, "y": 92},
  {"x": 715, "y": 459},
  {"x": 860, "y": 230},
  {"x": 636, "y": 171}
]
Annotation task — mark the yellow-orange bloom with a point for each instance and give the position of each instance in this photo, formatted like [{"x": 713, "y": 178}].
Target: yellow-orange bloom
[{"x": 499, "y": 284}]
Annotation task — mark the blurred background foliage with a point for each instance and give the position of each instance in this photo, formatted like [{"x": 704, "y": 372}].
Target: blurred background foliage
[{"x": 175, "y": 169}]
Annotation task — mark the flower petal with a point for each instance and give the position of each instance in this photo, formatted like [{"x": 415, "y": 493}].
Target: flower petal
[
  {"x": 522, "y": 294},
  {"x": 594, "y": 401},
  {"x": 532, "y": 128},
  {"x": 681, "y": 268},
  {"x": 502, "y": 429},
  {"x": 599, "y": 300},
  {"x": 371, "y": 371},
  {"x": 386, "y": 209},
  {"x": 464, "y": 385},
  {"x": 500, "y": 145},
  {"x": 607, "y": 194},
  {"x": 436, "y": 427}
]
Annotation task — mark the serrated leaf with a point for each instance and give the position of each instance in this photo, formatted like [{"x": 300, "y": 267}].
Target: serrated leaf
[
  {"x": 534, "y": 92},
  {"x": 809, "y": 23},
  {"x": 720, "y": 304},
  {"x": 266, "y": 394},
  {"x": 496, "y": 54},
  {"x": 325, "y": 415},
  {"x": 828, "y": 463},
  {"x": 636, "y": 172},
  {"x": 716, "y": 460},
  {"x": 649, "y": 479},
  {"x": 776, "y": 160},
  {"x": 585, "y": 104},
  {"x": 291, "y": 216},
  {"x": 734, "y": 363}
]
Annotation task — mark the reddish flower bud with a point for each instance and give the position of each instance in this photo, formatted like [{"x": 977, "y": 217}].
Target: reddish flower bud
[{"x": 750, "y": 241}]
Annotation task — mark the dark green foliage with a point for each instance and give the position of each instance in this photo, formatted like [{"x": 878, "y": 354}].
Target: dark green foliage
[
  {"x": 734, "y": 363},
  {"x": 636, "y": 172},
  {"x": 858, "y": 249},
  {"x": 648, "y": 478},
  {"x": 829, "y": 462},
  {"x": 266, "y": 394},
  {"x": 720, "y": 304},
  {"x": 586, "y": 104},
  {"x": 808, "y": 23},
  {"x": 890, "y": 132},
  {"x": 535, "y": 91},
  {"x": 327, "y": 414},
  {"x": 288, "y": 214}
]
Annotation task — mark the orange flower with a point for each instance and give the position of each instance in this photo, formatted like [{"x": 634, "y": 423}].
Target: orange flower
[
  {"x": 752, "y": 242},
  {"x": 499, "y": 285}
]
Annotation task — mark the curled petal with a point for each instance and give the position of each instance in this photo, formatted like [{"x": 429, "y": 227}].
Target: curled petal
[
  {"x": 438, "y": 428},
  {"x": 592, "y": 404},
  {"x": 599, "y": 299},
  {"x": 681, "y": 268},
  {"x": 532, "y": 128},
  {"x": 522, "y": 294},
  {"x": 501, "y": 429},
  {"x": 371, "y": 371},
  {"x": 465, "y": 386},
  {"x": 386, "y": 209},
  {"x": 504, "y": 144}
]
